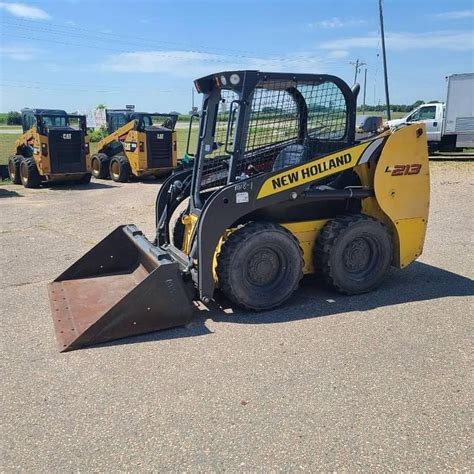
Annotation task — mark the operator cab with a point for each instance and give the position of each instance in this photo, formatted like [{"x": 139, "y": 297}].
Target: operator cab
[{"x": 254, "y": 122}]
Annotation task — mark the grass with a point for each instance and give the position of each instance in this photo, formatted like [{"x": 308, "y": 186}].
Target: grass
[{"x": 7, "y": 144}]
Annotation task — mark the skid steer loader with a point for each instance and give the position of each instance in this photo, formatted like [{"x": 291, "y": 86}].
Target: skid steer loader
[
  {"x": 50, "y": 149},
  {"x": 279, "y": 189},
  {"x": 139, "y": 144}
]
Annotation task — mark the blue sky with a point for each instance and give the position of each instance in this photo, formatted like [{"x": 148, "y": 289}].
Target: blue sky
[{"x": 75, "y": 54}]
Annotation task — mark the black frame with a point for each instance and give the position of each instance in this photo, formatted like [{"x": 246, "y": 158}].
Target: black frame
[{"x": 211, "y": 86}]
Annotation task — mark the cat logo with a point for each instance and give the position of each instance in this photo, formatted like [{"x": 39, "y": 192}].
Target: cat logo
[
  {"x": 160, "y": 136},
  {"x": 66, "y": 136}
]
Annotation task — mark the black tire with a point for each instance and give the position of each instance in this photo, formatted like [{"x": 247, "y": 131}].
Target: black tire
[
  {"x": 86, "y": 179},
  {"x": 14, "y": 168},
  {"x": 100, "y": 166},
  {"x": 260, "y": 266},
  {"x": 177, "y": 232},
  {"x": 29, "y": 174},
  {"x": 353, "y": 253},
  {"x": 120, "y": 170}
]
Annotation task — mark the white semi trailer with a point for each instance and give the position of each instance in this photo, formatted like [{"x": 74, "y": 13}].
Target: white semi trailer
[{"x": 449, "y": 125}]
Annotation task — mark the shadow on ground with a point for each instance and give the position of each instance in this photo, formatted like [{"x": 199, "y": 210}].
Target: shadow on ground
[
  {"x": 62, "y": 185},
  {"x": 6, "y": 193},
  {"x": 418, "y": 282}
]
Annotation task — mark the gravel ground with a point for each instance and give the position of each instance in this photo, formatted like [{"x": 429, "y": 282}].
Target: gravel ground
[{"x": 375, "y": 382}]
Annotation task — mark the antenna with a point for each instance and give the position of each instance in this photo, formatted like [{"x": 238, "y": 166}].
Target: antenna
[{"x": 387, "y": 99}]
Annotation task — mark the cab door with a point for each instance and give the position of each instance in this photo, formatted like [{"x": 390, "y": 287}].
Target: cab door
[{"x": 431, "y": 116}]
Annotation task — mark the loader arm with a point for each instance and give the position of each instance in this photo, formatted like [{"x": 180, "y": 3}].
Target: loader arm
[{"x": 119, "y": 134}]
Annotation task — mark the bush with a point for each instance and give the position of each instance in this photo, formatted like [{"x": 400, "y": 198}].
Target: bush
[
  {"x": 13, "y": 118},
  {"x": 98, "y": 134}
]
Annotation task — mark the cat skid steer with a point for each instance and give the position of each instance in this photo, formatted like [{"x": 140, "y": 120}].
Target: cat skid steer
[{"x": 279, "y": 188}]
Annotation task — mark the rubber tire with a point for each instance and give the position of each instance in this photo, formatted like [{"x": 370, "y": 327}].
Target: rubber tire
[
  {"x": 14, "y": 168},
  {"x": 232, "y": 271},
  {"x": 177, "y": 233},
  {"x": 124, "y": 169},
  {"x": 103, "y": 161},
  {"x": 30, "y": 176},
  {"x": 335, "y": 238},
  {"x": 86, "y": 179}
]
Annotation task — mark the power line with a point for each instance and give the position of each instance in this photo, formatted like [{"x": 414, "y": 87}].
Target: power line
[{"x": 152, "y": 43}]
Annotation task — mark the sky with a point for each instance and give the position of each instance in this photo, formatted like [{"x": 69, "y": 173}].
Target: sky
[{"x": 76, "y": 54}]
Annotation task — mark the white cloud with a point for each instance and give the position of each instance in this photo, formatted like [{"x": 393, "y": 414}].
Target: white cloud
[
  {"x": 24, "y": 11},
  {"x": 195, "y": 64},
  {"x": 336, "y": 22},
  {"x": 446, "y": 40},
  {"x": 18, "y": 53},
  {"x": 455, "y": 15},
  {"x": 70, "y": 23},
  {"x": 338, "y": 54}
]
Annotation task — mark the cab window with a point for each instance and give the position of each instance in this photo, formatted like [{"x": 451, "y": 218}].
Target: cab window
[{"x": 423, "y": 113}]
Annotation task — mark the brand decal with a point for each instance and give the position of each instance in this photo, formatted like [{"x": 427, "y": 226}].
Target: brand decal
[
  {"x": 311, "y": 171},
  {"x": 403, "y": 170},
  {"x": 316, "y": 169},
  {"x": 160, "y": 136},
  {"x": 130, "y": 146},
  {"x": 66, "y": 136}
]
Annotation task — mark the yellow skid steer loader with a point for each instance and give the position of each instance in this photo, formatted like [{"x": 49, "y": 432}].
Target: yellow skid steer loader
[
  {"x": 50, "y": 149},
  {"x": 279, "y": 188},
  {"x": 138, "y": 144}
]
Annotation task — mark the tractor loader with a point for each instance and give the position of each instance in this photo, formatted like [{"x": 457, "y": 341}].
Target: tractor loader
[
  {"x": 50, "y": 149},
  {"x": 138, "y": 144},
  {"x": 279, "y": 189}
]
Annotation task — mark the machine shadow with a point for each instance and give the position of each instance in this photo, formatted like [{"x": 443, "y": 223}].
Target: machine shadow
[
  {"x": 61, "y": 186},
  {"x": 6, "y": 193},
  {"x": 418, "y": 282}
]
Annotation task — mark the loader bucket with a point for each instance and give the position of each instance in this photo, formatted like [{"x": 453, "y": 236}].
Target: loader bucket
[{"x": 122, "y": 287}]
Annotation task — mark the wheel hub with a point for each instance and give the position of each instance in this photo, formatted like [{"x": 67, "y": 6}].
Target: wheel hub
[
  {"x": 263, "y": 268},
  {"x": 357, "y": 255}
]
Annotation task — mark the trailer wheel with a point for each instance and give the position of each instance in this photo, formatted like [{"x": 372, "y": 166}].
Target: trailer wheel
[
  {"x": 260, "y": 266},
  {"x": 100, "y": 166},
  {"x": 353, "y": 253},
  {"x": 120, "y": 170},
  {"x": 29, "y": 174},
  {"x": 14, "y": 168}
]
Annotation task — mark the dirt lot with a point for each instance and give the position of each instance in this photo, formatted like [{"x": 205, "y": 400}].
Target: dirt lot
[{"x": 374, "y": 382}]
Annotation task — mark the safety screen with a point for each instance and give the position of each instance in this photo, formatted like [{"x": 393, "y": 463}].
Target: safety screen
[
  {"x": 282, "y": 113},
  {"x": 327, "y": 113},
  {"x": 216, "y": 163}
]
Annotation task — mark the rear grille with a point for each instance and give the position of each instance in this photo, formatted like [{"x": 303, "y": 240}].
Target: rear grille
[
  {"x": 66, "y": 151},
  {"x": 159, "y": 148}
]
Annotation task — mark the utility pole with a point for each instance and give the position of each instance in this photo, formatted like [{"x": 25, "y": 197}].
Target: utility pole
[
  {"x": 192, "y": 95},
  {"x": 357, "y": 65},
  {"x": 387, "y": 99},
  {"x": 365, "y": 89}
]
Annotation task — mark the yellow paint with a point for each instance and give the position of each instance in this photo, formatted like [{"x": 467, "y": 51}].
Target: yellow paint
[
  {"x": 307, "y": 233},
  {"x": 411, "y": 236},
  {"x": 405, "y": 197},
  {"x": 138, "y": 159},
  {"x": 312, "y": 170},
  {"x": 189, "y": 221}
]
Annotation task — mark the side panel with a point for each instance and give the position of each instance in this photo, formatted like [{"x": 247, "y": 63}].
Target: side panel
[
  {"x": 402, "y": 190},
  {"x": 306, "y": 232}
]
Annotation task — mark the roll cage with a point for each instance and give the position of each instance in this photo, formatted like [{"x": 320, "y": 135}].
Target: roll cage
[
  {"x": 45, "y": 119},
  {"x": 249, "y": 117},
  {"x": 117, "y": 118}
]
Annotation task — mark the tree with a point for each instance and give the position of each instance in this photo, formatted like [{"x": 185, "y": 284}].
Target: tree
[
  {"x": 13, "y": 118},
  {"x": 101, "y": 106}
]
